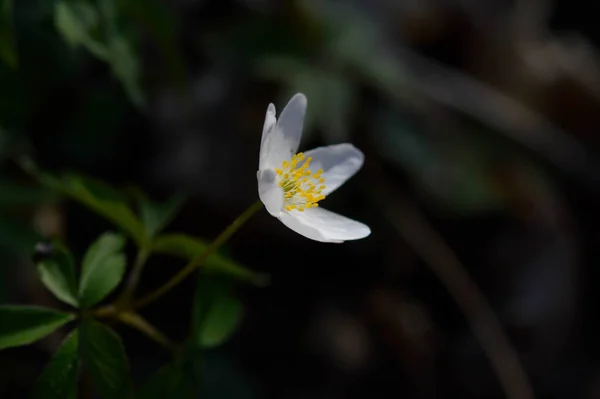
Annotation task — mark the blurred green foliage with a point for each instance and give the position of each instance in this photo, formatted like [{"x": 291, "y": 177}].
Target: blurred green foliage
[
  {"x": 97, "y": 28},
  {"x": 332, "y": 53},
  {"x": 215, "y": 317},
  {"x": 8, "y": 51}
]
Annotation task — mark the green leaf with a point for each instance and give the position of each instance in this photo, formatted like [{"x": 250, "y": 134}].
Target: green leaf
[
  {"x": 216, "y": 313},
  {"x": 188, "y": 247},
  {"x": 126, "y": 67},
  {"x": 22, "y": 325},
  {"x": 105, "y": 358},
  {"x": 96, "y": 195},
  {"x": 57, "y": 272},
  {"x": 102, "y": 269},
  {"x": 96, "y": 29},
  {"x": 8, "y": 50},
  {"x": 59, "y": 378},
  {"x": 156, "y": 216},
  {"x": 76, "y": 21}
]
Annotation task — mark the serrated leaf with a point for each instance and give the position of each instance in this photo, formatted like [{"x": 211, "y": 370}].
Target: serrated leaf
[
  {"x": 189, "y": 248},
  {"x": 8, "y": 51},
  {"x": 216, "y": 313},
  {"x": 156, "y": 216},
  {"x": 22, "y": 325},
  {"x": 102, "y": 269},
  {"x": 105, "y": 358},
  {"x": 57, "y": 272},
  {"x": 59, "y": 378}
]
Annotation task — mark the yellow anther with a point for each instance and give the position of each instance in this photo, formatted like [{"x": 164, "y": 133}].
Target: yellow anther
[{"x": 301, "y": 187}]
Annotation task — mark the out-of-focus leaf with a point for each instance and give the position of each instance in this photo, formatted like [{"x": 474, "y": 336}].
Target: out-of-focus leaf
[
  {"x": 57, "y": 272},
  {"x": 97, "y": 196},
  {"x": 189, "y": 248},
  {"x": 96, "y": 29},
  {"x": 14, "y": 194},
  {"x": 105, "y": 358},
  {"x": 216, "y": 313},
  {"x": 126, "y": 67},
  {"x": 22, "y": 325},
  {"x": 8, "y": 51},
  {"x": 102, "y": 269},
  {"x": 160, "y": 22},
  {"x": 76, "y": 21},
  {"x": 458, "y": 178},
  {"x": 59, "y": 378},
  {"x": 156, "y": 216}
]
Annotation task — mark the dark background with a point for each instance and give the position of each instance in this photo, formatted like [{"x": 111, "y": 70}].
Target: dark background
[{"x": 479, "y": 124}]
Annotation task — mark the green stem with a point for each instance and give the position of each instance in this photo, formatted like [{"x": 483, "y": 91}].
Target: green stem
[
  {"x": 139, "y": 323},
  {"x": 134, "y": 277},
  {"x": 191, "y": 267}
]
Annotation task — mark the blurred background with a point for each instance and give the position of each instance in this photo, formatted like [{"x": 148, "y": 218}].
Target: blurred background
[{"x": 478, "y": 120}]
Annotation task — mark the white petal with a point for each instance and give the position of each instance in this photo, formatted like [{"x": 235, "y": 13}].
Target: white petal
[
  {"x": 339, "y": 163},
  {"x": 322, "y": 225},
  {"x": 269, "y": 191},
  {"x": 268, "y": 128},
  {"x": 282, "y": 140}
]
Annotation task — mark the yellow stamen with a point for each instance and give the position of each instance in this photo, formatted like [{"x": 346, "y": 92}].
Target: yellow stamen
[{"x": 302, "y": 188}]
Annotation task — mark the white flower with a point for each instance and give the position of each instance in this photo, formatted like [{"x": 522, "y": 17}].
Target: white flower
[{"x": 290, "y": 185}]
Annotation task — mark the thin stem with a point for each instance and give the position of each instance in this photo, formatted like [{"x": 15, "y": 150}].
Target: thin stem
[
  {"x": 134, "y": 277},
  {"x": 106, "y": 311},
  {"x": 194, "y": 263},
  {"x": 139, "y": 323},
  {"x": 478, "y": 312}
]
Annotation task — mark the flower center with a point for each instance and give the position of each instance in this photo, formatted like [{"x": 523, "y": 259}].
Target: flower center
[{"x": 301, "y": 187}]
